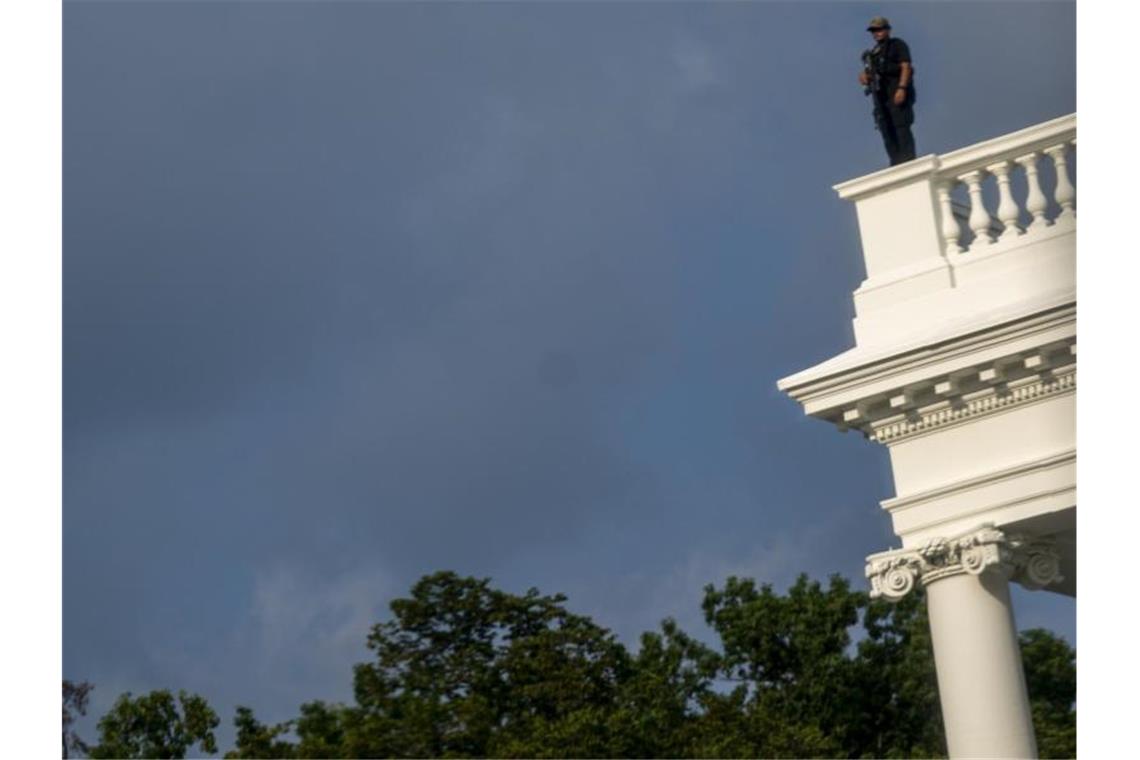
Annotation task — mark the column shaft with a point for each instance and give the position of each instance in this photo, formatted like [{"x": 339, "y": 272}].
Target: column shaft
[{"x": 981, "y": 684}]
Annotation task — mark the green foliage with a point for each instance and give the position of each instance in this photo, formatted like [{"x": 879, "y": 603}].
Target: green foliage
[
  {"x": 1051, "y": 678},
  {"x": 330, "y": 731},
  {"x": 75, "y": 696},
  {"x": 255, "y": 740},
  {"x": 896, "y": 663},
  {"x": 803, "y": 691},
  {"x": 465, "y": 670},
  {"x": 656, "y": 711},
  {"x": 153, "y": 725},
  {"x": 790, "y": 652}
]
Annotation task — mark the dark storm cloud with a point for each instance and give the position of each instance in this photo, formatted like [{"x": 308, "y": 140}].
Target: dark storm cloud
[{"x": 355, "y": 292}]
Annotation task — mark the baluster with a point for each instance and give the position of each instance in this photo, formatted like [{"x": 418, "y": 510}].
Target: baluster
[
  {"x": 1007, "y": 210},
  {"x": 1035, "y": 201},
  {"x": 979, "y": 220},
  {"x": 1066, "y": 194},
  {"x": 951, "y": 232}
]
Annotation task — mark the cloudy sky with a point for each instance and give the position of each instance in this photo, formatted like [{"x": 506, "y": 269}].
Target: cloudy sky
[{"x": 355, "y": 291}]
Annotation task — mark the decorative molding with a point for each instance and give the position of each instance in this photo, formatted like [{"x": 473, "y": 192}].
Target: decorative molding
[
  {"x": 993, "y": 399},
  {"x": 1048, "y": 321},
  {"x": 960, "y": 392},
  {"x": 1040, "y": 566},
  {"x": 921, "y": 498},
  {"x": 1033, "y": 563}
]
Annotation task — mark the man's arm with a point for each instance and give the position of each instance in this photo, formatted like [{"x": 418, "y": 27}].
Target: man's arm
[
  {"x": 904, "y": 80},
  {"x": 904, "y": 73}
]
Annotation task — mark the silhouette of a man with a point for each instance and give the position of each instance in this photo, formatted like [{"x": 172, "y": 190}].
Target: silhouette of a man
[{"x": 889, "y": 73}]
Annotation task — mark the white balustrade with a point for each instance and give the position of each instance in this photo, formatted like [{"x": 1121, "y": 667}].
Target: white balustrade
[
  {"x": 973, "y": 166},
  {"x": 983, "y": 227}
]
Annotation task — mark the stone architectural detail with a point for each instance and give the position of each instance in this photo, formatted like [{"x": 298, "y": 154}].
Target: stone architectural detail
[
  {"x": 1006, "y": 223},
  {"x": 894, "y": 574},
  {"x": 965, "y": 369},
  {"x": 958, "y": 407}
]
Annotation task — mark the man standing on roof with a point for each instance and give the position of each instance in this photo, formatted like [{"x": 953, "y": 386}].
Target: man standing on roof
[{"x": 888, "y": 76}]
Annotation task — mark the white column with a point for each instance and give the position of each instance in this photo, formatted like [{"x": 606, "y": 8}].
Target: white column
[
  {"x": 981, "y": 684},
  {"x": 985, "y": 706}
]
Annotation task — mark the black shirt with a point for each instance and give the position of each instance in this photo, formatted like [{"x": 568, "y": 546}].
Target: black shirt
[{"x": 890, "y": 54}]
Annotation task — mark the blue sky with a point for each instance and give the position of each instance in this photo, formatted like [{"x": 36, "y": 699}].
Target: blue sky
[{"x": 354, "y": 292}]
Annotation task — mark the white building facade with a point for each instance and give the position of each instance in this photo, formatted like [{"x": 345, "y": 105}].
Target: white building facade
[{"x": 965, "y": 369}]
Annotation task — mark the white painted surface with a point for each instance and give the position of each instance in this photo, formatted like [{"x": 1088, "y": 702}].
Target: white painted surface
[
  {"x": 965, "y": 368},
  {"x": 990, "y": 443},
  {"x": 985, "y": 706},
  {"x": 914, "y": 244}
]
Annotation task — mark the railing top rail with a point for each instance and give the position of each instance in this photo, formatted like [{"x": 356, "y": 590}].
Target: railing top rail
[
  {"x": 1019, "y": 143},
  {"x": 976, "y": 156}
]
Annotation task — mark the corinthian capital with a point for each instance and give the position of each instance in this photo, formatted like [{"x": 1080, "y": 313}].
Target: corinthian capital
[{"x": 893, "y": 574}]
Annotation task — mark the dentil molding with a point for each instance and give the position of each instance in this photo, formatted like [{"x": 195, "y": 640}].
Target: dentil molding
[
  {"x": 994, "y": 398},
  {"x": 967, "y": 393},
  {"x": 1031, "y": 562}
]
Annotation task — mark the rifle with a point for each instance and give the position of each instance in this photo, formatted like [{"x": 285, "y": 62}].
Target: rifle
[{"x": 871, "y": 69}]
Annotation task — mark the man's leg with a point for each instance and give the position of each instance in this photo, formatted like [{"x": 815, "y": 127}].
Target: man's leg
[
  {"x": 901, "y": 118},
  {"x": 887, "y": 130},
  {"x": 890, "y": 141}
]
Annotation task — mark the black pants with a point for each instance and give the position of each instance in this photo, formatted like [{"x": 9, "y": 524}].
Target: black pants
[{"x": 894, "y": 124}]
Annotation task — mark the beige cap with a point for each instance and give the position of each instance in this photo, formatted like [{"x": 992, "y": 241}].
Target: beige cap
[{"x": 879, "y": 21}]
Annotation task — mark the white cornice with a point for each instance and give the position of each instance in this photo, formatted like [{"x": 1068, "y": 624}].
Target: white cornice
[
  {"x": 996, "y": 397},
  {"x": 944, "y": 401},
  {"x": 860, "y": 374}
]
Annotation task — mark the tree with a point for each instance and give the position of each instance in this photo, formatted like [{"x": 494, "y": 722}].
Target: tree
[
  {"x": 804, "y": 693},
  {"x": 75, "y": 697},
  {"x": 326, "y": 730},
  {"x": 671, "y": 676},
  {"x": 153, "y": 725},
  {"x": 462, "y": 669},
  {"x": 1051, "y": 679},
  {"x": 789, "y": 654},
  {"x": 256, "y": 740},
  {"x": 896, "y": 665}
]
